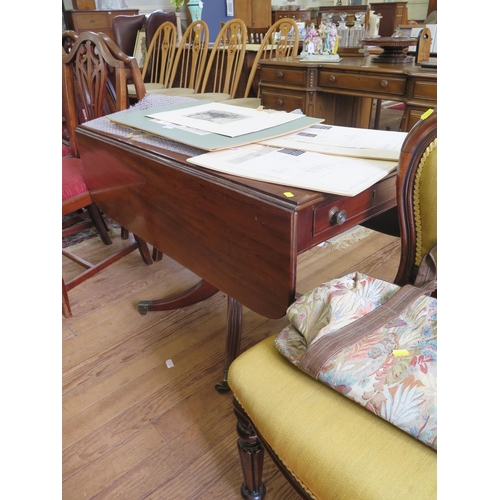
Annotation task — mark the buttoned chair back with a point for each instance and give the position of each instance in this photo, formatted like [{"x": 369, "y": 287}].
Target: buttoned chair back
[
  {"x": 417, "y": 198},
  {"x": 94, "y": 85},
  {"x": 225, "y": 63},
  {"x": 326, "y": 445},
  {"x": 281, "y": 40}
]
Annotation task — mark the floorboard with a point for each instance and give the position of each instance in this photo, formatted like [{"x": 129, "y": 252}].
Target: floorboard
[{"x": 135, "y": 429}]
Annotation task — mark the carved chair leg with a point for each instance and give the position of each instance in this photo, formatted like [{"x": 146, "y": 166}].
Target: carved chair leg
[{"x": 251, "y": 457}]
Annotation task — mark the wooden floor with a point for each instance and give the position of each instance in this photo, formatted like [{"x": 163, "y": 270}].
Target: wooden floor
[{"x": 135, "y": 429}]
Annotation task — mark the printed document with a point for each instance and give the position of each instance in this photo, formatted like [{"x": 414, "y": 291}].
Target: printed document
[
  {"x": 224, "y": 119},
  {"x": 344, "y": 141},
  {"x": 340, "y": 175}
]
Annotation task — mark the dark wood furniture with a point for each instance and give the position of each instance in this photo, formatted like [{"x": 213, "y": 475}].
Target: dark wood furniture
[
  {"x": 342, "y": 93},
  {"x": 92, "y": 87},
  {"x": 299, "y": 16},
  {"x": 239, "y": 236},
  {"x": 99, "y": 21},
  {"x": 255, "y": 14},
  {"x": 393, "y": 14}
]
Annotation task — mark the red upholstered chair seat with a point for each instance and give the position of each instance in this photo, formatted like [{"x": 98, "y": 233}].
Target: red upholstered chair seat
[
  {"x": 73, "y": 182},
  {"x": 66, "y": 150}
]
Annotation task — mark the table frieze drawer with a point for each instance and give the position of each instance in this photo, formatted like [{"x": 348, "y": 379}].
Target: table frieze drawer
[
  {"x": 425, "y": 90},
  {"x": 283, "y": 101},
  {"x": 338, "y": 80},
  {"x": 288, "y": 76},
  {"x": 92, "y": 22},
  {"x": 329, "y": 216}
]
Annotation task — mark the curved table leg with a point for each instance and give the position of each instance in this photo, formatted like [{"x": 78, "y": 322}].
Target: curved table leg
[
  {"x": 199, "y": 292},
  {"x": 233, "y": 340}
]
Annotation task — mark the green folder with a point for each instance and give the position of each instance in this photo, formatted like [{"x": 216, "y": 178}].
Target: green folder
[{"x": 209, "y": 142}]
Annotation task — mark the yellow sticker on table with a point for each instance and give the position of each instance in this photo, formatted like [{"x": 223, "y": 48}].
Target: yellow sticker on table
[{"x": 288, "y": 194}]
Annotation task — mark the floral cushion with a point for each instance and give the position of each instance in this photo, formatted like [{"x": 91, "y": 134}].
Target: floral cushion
[{"x": 392, "y": 370}]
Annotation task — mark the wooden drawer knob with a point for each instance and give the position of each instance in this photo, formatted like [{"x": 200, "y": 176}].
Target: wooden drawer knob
[
  {"x": 331, "y": 78},
  {"x": 280, "y": 74},
  {"x": 336, "y": 216},
  {"x": 383, "y": 84}
]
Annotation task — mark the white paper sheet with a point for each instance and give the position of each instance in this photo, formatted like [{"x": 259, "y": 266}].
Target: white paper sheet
[
  {"x": 345, "y": 141},
  {"x": 224, "y": 119},
  {"x": 291, "y": 167}
]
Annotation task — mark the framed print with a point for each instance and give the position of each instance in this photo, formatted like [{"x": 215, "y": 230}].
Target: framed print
[{"x": 140, "y": 48}]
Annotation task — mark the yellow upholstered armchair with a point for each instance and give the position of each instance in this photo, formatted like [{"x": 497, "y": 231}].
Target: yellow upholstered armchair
[{"x": 328, "y": 446}]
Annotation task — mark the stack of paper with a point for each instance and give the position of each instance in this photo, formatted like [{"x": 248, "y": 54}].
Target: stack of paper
[{"x": 340, "y": 175}]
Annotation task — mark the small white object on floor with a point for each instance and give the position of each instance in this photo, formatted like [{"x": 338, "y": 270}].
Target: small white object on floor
[{"x": 169, "y": 363}]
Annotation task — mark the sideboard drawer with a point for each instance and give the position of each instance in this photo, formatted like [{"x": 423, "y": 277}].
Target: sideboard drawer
[
  {"x": 340, "y": 80},
  {"x": 288, "y": 76},
  {"x": 425, "y": 90},
  {"x": 283, "y": 101},
  {"x": 93, "y": 22}
]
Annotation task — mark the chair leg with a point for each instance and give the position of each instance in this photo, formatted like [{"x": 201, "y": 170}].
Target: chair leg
[
  {"x": 124, "y": 233},
  {"x": 96, "y": 216},
  {"x": 66, "y": 308},
  {"x": 251, "y": 457}
]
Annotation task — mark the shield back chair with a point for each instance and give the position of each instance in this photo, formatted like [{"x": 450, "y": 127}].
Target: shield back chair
[
  {"x": 281, "y": 40},
  {"x": 225, "y": 63},
  {"x": 95, "y": 80},
  {"x": 159, "y": 59},
  {"x": 189, "y": 62},
  {"x": 326, "y": 445}
]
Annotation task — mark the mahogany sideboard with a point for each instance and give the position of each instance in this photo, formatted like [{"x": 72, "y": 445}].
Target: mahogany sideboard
[
  {"x": 342, "y": 93},
  {"x": 237, "y": 235},
  {"x": 95, "y": 20}
]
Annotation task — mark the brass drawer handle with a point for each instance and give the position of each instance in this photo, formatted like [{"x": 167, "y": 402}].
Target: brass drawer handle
[
  {"x": 336, "y": 216},
  {"x": 331, "y": 78},
  {"x": 384, "y": 84},
  {"x": 280, "y": 102},
  {"x": 280, "y": 74},
  {"x": 92, "y": 21}
]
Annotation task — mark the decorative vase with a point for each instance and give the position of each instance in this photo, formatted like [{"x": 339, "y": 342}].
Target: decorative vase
[{"x": 195, "y": 9}]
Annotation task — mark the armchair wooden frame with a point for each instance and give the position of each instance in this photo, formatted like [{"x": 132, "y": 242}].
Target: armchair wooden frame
[
  {"x": 159, "y": 60},
  {"x": 94, "y": 79},
  {"x": 280, "y": 40},
  {"x": 227, "y": 56},
  {"x": 190, "y": 58}
]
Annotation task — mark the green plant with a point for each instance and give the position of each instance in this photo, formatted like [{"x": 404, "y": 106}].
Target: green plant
[{"x": 177, "y": 3}]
